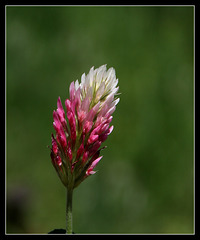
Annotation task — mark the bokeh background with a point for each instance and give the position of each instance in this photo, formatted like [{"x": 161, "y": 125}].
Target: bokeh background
[{"x": 144, "y": 182}]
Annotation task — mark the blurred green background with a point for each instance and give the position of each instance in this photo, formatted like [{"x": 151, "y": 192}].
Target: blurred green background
[{"x": 145, "y": 179}]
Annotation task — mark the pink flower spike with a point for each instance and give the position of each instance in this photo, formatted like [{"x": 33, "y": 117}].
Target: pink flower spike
[{"x": 83, "y": 125}]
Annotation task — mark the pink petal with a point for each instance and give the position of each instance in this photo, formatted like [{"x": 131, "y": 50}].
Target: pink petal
[
  {"x": 93, "y": 138},
  {"x": 111, "y": 110},
  {"x": 54, "y": 145},
  {"x": 104, "y": 127},
  {"x": 61, "y": 112},
  {"x": 68, "y": 105},
  {"x": 81, "y": 116},
  {"x": 71, "y": 91},
  {"x": 59, "y": 105},
  {"x": 77, "y": 99},
  {"x": 92, "y": 166},
  {"x": 85, "y": 105},
  {"x": 62, "y": 138},
  {"x": 104, "y": 135},
  {"x": 93, "y": 112},
  {"x": 96, "y": 130},
  {"x": 72, "y": 123},
  {"x": 94, "y": 163},
  {"x": 87, "y": 126},
  {"x": 110, "y": 130},
  {"x": 56, "y": 122}
]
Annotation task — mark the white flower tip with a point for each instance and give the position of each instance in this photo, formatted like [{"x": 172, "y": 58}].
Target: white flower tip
[
  {"x": 76, "y": 85},
  {"x": 117, "y": 101}
]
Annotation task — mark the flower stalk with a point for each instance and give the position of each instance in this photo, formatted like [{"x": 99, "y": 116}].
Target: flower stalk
[{"x": 69, "y": 211}]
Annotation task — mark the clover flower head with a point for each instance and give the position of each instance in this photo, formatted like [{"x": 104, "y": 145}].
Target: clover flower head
[{"x": 81, "y": 130}]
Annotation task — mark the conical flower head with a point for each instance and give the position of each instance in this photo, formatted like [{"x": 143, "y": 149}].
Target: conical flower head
[{"x": 85, "y": 126}]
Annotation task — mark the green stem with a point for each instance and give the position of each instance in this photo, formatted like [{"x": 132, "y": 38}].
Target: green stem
[{"x": 69, "y": 211}]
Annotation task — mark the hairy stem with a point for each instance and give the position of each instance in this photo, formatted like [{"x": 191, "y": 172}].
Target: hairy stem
[{"x": 69, "y": 211}]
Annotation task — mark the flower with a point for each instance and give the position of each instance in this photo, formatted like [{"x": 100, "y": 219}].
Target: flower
[{"x": 85, "y": 126}]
